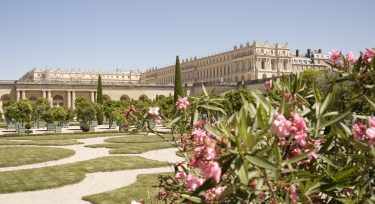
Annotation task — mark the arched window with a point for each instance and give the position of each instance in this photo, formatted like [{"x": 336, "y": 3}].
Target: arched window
[
  {"x": 125, "y": 98},
  {"x": 6, "y": 98},
  {"x": 143, "y": 98},
  {"x": 106, "y": 98},
  {"x": 58, "y": 101},
  {"x": 32, "y": 99}
]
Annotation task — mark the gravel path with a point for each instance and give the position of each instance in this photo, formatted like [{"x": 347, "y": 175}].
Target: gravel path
[
  {"x": 93, "y": 182},
  {"x": 81, "y": 154}
]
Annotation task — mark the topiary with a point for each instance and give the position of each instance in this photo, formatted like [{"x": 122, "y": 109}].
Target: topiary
[
  {"x": 28, "y": 125},
  {"x": 85, "y": 127}
]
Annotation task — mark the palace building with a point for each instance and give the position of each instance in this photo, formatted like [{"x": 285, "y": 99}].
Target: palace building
[{"x": 242, "y": 63}]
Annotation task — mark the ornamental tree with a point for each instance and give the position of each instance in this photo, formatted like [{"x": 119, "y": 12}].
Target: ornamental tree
[
  {"x": 85, "y": 110},
  {"x": 22, "y": 112},
  {"x": 99, "y": 100},
  {"x": 41, "y": 105},
  {"x": 55, "y": 114},
  {"x": 178, "y": 87}
]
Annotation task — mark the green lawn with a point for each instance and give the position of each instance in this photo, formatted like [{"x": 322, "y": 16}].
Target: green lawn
[
  {"x": 145, "y": 188},
  {"x": 41, "y": 142},
  {"x": 16, "y": 156},
  {"x": 134, "y": 144},
  {"x": 55, "y": 176},
  {"x": 139, "y": 139},
  {"x": 131, "y": 148}
]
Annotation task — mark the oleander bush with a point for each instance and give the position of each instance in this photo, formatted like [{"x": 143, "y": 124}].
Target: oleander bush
[{"x": 301, "y": 140}]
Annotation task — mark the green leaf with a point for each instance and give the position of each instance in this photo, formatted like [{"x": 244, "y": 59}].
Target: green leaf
[
  {"x": 336, "y": 119},
  {"x": 325, "y": 103},
  {"x": 327, "y": 160},
  {"x": 209, "y": 107},
  {"x": 204, "y": 90},
  {"x": 347, "y": 130},
  {"x": 192, "y": 198},
  {"x": 241, "y": 171},
  {"x": 296, "y": 159},
  {"x": 174, "y": 121},
  {"x": 262, "y": 100},
  {"x": 214, "y": 131},
  {"x": 344, "y": 174},
  {"x": 372, "y": 103},
  {"x": 261, "y": 162},
  {"x": 196, "y": 116}
]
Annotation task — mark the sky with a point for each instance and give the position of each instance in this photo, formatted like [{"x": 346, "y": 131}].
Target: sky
[{"x": 139, "y": 34}]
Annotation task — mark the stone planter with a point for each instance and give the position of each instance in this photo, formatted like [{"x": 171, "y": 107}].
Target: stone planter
[
  {"x": 11, "y": 125},
  {"x": 92, "y": 128},
  {"x": 58, "y": 129},
  {"x": 51, "y": 127},
  {"x": 21, "y": 130},
  {"x": 94, "y": 123}
]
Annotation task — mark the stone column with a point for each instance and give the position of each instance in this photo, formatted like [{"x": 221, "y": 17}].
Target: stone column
[
  {"x": 69, "y": 99},
  {"x": 73, "y": 99},
  {"x": 92, "y": 96},
  {"x": 23, "y": 94},
  {"x": 44, "y": 93},
  {"x": 49, "y": 96},
  {"x": 18, "y": 95}
]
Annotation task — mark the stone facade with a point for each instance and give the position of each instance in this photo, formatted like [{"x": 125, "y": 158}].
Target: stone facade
[
  {"x": 79, "y": 76},
  {"x": 242, "y": 63},
  {"x": 251, "y": 63}
]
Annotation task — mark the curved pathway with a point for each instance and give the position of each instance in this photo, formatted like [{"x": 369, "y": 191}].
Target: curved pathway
[
  {"x": 93, "y": 182},
  {"x": 81, "y": 154}
]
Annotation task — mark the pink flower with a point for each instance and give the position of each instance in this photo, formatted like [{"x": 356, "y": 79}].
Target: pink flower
[
  {"x": 370, "y": 133},
  {"x": 286, "y": 95},
  {"x": 211, "y": 169},
  {"x": 281, "y": 126},
  {"x": 154, "y": 111},
  {"x": 295, "y": 152},
  {"x": 199, "y": 134},
  {"x": 180, "y": 175},
  {"x": 358, "y": 129},
  {"x": 300, "y": 138},
  {"x": 210, "y": 153},
  {"x": 182, "y": 103},
  {"x": 371, "y": 122},
  {"x": 268, "y": 84},
  {"x": 299, "y": 122},
  {"x": 200, "y": 124},
  {"x": 177, "y": 164},
  {"x": 369, "y": 55},
  {"x": 193, "y": 182},
  {"x": 351, "y": 58},
  {"x": 313, "y": 154},
  {"x": 335, "y": 56},
  {"x": 213, "y": 193},
  {"x": 293, "y": 194}
]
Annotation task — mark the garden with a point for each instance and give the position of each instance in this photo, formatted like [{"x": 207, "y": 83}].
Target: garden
[{"x": 306, "y": 138}]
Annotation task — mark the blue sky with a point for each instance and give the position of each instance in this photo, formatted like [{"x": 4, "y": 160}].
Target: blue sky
[{"x": 120, "y": 34}]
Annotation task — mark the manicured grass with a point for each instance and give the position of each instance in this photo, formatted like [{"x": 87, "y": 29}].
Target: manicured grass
[
  {"x": 55, "y": 176},
  {"x": 16, "y": 156},
  {"x": 139, "y": 139},
  {"x": 131, "y": 148},
  {"x": 41, "y": 142},
  {"x": 145, "y": 188}
]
